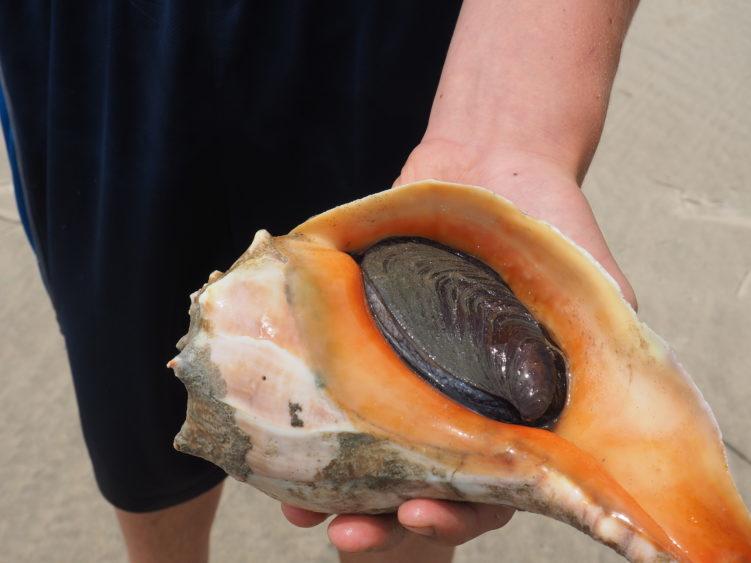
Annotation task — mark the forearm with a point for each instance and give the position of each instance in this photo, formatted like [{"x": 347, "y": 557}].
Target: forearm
[{"x": 531, "y": 76}]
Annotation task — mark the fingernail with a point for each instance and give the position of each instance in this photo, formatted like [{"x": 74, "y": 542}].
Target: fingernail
[{"x": 427, "y": 531}]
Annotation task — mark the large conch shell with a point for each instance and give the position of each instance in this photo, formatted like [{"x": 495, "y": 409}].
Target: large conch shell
[{"x": 293, "y": 389}]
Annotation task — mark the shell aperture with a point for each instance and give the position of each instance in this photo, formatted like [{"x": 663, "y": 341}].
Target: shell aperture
[{"x": 456, "y": 323}]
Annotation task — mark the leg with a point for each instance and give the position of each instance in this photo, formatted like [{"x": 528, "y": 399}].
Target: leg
[
  {"x": 412, "y": 548},
  {"x": 179, "y": 534}
]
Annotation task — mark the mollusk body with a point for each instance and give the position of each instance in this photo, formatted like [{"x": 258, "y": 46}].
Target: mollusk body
[{"x": 293, "y": 387}]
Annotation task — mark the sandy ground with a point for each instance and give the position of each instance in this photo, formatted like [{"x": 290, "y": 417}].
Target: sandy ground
[{"x": 671, "y": 186}]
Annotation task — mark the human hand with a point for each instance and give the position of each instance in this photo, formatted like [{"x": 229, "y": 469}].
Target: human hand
[
  {"x": 542, "y": 189},
  {"x": 419, "y": 525}
]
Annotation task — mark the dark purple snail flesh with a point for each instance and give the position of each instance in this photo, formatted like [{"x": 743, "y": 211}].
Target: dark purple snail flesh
[{"x": 457, "y": 324}]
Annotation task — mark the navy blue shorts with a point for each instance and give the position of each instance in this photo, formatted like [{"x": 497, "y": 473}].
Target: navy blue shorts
[{"x": 153, "y": 138}]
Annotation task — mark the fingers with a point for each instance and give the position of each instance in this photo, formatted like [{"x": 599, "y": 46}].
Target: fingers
[
  {"x": 301, "y": 517},
  {"x": 352, "y": 533},
  {"x": 442, "y": 522},
  {"x": 452, "y": 523}
]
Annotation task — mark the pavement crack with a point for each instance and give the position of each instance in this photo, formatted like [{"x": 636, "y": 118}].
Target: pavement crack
[
  {"x": 737, "y": 452},
  {"x": 709, "y": 211},
  {"x": 727, "y": 220},
  {"x": 666, "y": 184},
  {"x": 744, "y": 286},
  {"x": 696, "y": 208}
]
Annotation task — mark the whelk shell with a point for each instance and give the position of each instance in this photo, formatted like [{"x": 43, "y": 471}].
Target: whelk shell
[{"x": 293, "y": 388}]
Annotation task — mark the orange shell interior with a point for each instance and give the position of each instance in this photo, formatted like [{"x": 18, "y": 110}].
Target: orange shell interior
[{"x": 636, "y": 435}]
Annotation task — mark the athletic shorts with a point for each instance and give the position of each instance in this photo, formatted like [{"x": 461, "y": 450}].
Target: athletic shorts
[{"x": 153, "y": 138}]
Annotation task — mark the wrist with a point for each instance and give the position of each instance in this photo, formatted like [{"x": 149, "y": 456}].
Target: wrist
[
  {"x": 486, "y": 165},
  {"x": 516, "y": 138}
]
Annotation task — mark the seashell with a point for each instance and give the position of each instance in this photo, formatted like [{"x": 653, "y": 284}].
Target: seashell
[{"x": 433, "y": 341}]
